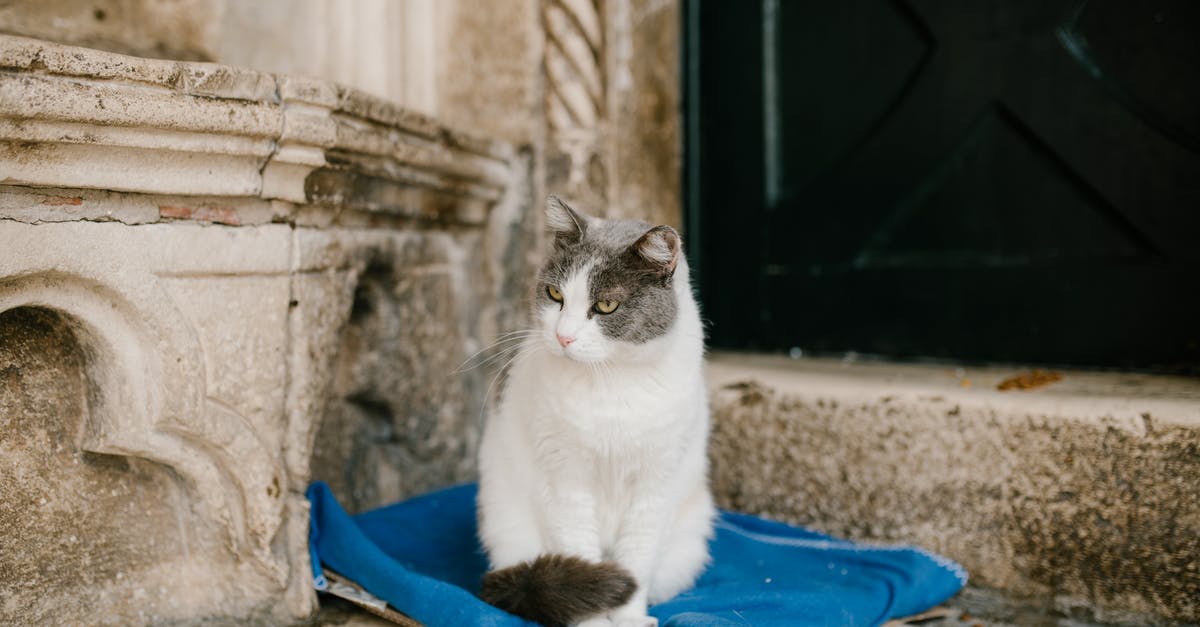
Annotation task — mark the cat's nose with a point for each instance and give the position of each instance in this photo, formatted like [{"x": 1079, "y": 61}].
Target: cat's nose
[{"x": 564, "y": 340}]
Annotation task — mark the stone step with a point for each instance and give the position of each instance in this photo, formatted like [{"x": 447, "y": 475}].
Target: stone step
[{"x": 1080, "y": 494}]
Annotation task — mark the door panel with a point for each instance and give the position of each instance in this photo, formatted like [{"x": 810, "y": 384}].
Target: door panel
[{"x": 988, "y": 180}]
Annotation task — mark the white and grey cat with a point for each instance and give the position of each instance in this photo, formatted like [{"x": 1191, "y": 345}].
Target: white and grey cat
[{"x": 593, "y": 492}]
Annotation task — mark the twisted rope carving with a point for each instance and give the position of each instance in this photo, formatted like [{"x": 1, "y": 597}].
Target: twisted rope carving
[{"x": 574, "y": 63}]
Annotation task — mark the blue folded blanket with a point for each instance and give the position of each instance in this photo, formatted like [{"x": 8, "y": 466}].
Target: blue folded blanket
[{"x": 422, "y": 557}]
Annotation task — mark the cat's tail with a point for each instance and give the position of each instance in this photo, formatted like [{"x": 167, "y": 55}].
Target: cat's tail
[{"x": 558, "y": 589}]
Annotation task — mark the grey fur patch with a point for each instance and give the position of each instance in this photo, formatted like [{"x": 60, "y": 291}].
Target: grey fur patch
[{"x": 628, "y": 265}]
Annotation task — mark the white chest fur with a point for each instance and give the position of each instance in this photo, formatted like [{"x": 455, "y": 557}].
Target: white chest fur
[{"x": 633, "y": 408}]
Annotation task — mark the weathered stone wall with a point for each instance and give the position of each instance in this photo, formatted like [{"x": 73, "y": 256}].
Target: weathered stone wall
[
  {"x": 180, "y": 430},
  {"x": 381, "y": 47},
  {"x": 217, "y": 285},
  {"x": 591, "y": 89},
  {"x": 80, "y": 525},
  {"x": 400, "y": 418},
  {"x": 489, "y": 69},
  {"x": 184, "y": 30},
  {"x": 648, "y": 135},
  {"x": 263, "y": 279}
]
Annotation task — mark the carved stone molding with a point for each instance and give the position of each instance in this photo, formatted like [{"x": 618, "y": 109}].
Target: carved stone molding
[{"x": 170, "y": 127}]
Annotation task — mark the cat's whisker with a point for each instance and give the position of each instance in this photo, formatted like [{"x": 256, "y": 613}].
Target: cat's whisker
[
  {"x": 478, "y": 360},
  {"x": 519, "y": 331},
  {"x": 498, "y": 356},
  {"x": 500, "y": 342},
  {"x": 523, "y": 353},
  {"x": 655, "y": 380},
  {"x": 507, "y": 338},
  {"x": 606, "y": 370},
  {"x": 487, "y": 395},
  {"x": 513, "y": 354}
]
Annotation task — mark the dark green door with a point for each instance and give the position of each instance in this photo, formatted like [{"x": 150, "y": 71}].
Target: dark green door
[{"x": 968, "y": 179}]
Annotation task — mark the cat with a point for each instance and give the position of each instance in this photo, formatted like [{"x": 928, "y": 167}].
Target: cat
[{"x": 593, "y": 493}]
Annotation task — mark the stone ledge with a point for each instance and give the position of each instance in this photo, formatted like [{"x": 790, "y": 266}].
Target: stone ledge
[
  {"x": 1090, "y": 395},
  {"x": 80, "y": 118},
  {"x": 1084, "y": 493}
]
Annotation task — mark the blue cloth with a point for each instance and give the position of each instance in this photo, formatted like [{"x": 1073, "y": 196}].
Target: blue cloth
[{"x": 422, "y": 556}]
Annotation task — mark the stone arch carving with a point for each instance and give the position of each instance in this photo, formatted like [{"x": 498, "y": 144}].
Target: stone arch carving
[
  {"x": 146, "y": 399},
  {"x": 62, "y": 507}
]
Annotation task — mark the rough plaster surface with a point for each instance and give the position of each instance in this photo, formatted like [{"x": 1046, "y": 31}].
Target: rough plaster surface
[
  {"x": 100, "y": 520},
  {"x": 397, "y": 422},
  {"x": 162, "y": 394},
  {"x": 648, "y": 137},
  {"x": 489, "y": 74},
  {"x": 172, "y": 29},
  {"x": 1084, "y": 494},
  {"x": 377, "y": 46}
]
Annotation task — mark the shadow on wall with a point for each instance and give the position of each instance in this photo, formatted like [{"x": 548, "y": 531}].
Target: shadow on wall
[{"x": 396, "y": 421}]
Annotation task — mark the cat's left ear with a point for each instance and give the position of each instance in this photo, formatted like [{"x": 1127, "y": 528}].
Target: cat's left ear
[
  {"x": 659, "y": 248},
  {"x": 568, "y": 226}
]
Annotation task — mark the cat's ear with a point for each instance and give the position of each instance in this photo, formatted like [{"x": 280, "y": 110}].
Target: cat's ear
[
  {"x": 568, "y": 227},
  {"x": 658, "y": 249}
]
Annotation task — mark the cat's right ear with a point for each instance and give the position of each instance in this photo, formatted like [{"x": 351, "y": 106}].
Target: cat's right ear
[{"x": 567, "y": 226}]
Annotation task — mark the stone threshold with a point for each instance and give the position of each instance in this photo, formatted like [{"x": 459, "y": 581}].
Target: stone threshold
[
  {"x": 1080, "y": 497},
  {"x": 1133, "y": 400},
  {"x": 78, "y": 118}
]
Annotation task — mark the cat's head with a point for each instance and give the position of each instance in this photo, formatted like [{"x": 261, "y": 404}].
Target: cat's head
[{"x": 608, "y": 286}]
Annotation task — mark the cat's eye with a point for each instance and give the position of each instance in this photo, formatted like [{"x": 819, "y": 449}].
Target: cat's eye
[
  {"x": 554, "y": 293},
  {"x": 606, "y": 306}
]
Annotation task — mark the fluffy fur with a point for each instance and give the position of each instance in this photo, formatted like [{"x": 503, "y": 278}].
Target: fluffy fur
[{"x": 597, "y": 449}]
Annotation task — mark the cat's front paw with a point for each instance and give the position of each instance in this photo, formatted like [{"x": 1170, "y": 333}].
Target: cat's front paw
[{"x": 595, "y": 622}]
